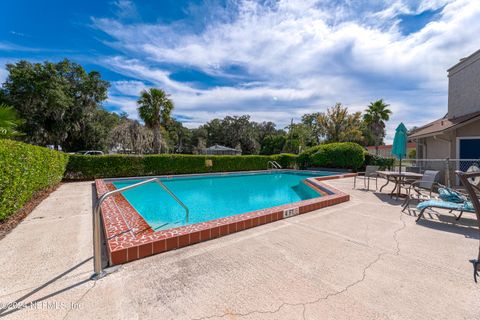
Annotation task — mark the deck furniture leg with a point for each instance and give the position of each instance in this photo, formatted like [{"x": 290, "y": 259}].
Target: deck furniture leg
[
  {"x": 406, "y": 203},
  {"x": 394, "y": 188},
  {"x": 388, "y": 181},
  {"x": 420, "y": 215},
  {"x": 476, "y": 269},
  {"x": 399, "y": 189},
  {"x": 459, "y": 216}
]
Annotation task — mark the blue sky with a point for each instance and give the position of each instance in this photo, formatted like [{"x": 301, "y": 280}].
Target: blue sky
[{"x": 274, "y": 60}]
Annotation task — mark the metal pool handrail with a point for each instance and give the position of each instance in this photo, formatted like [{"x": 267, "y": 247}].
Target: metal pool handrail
[
  {"x": 187, "y": 212},
  {"x": 97, "y": 247},
  {"x": 274, "y": 164}
]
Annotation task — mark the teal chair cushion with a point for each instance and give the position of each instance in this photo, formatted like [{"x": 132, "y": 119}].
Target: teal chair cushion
[
  {"x": 450, "y": 195},
  {"x": 465, "y": 206}
]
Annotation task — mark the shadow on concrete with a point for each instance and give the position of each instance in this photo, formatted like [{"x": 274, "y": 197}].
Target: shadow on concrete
[
  {"x": 445, "y": 221},
  {"x": 20, "y": 303},
  {"x": 386, "y": 198},
  {"x": 382, "y": 196},
  {"x": 468, "y": 232}
]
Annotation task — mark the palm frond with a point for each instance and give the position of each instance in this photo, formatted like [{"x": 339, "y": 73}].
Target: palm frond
[{"x": 9, "y": 122}]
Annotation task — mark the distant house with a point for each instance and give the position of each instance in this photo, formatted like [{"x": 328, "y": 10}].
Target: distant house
[
  {"x": 386, "y": 151},
  {"x": 220, "y": 150},
  {"x": 457, "y": 134}
]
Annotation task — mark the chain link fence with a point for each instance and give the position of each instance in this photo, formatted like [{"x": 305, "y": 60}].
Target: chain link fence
[{"x": 446, "y": 168}]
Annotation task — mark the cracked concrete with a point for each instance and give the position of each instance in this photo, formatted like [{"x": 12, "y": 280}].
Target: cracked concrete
[{"x": 363, "y": 259}]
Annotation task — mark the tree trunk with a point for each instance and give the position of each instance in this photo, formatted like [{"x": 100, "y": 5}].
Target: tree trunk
[{"x": 156, "y": 139}]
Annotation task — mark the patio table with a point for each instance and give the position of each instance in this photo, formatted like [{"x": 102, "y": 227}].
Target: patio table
[{"x": 397, "y": 178}]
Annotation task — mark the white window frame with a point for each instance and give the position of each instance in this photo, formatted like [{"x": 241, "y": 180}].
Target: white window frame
[
  {"x": 457, "y": 180},
  {"x": 464, "y": 138}
]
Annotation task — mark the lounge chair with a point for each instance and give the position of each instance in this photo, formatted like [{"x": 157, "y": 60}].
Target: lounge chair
[
  {"x": 421, "y": 189},
  {"x": 369, "y": 173},
  {"x": 466, "y": 179},
  {"x": 460, "y": 204}
]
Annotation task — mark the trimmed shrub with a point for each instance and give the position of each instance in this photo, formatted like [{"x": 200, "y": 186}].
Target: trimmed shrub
[
  {"x": 25, "y": 170},
  {"x": 344, "y": 155},
  {"x": 109, "y": 166},
  {"x": 383, "y": 163},
  {"x": 304, "y": 159},
  {"x": 287, "y": 160},
  {"x": 88, "y": 167}
]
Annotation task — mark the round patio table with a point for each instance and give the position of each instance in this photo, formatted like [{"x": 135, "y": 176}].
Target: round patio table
[{"x": 397, "y": 178}]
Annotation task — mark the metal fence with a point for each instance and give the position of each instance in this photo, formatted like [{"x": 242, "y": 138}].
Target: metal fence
[{"x": 447, "y": 168}]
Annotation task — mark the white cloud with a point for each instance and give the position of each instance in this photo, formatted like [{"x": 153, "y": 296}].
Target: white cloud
[
  {"x": 302, "y": 55},
  {"x": 125, "y": 9},
  {"x": 3, "y": 73},
  {"x": 127, "y": 87}
]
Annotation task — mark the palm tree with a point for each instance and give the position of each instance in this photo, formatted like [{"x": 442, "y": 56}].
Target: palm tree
[
  {"x": 375, "y": 116},
  {"x": 9, "y": 122},
  {"x": 155, "y": 107}
]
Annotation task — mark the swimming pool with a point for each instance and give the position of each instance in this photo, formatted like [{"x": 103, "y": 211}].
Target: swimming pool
[
  {"x": 144, "y": 221},
  {"x": 216, "y": 196}
]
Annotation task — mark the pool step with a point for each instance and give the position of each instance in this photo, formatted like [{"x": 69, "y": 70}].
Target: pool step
[
  {"x": 169, "y": 225},
  {"x": 304, "y": 191}
]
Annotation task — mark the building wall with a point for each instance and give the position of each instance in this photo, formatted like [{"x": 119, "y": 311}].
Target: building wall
[
  {"x": 437, "y": 148},
  {"x": 464, "y": 87},
  {"x": 469, "y": 130},
  {"x": 434, "y": 150}
]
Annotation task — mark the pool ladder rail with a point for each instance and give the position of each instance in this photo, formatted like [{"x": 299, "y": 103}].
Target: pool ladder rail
[
  {"x": 97, "y": 246},
  {"x": 273, "y": 165}
]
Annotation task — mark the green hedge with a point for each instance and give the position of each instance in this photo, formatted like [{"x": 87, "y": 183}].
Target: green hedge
[
  {"x": 345, "y": 155},
  {"x": 110, "y": 166},
  {"x": 24, "y": 170},
  {"x": 287, "y": 160},
  {"x": 383, "y": 163}
]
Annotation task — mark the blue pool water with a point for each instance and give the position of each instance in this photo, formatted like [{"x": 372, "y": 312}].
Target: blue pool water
[{"x": 216, "y": 196}]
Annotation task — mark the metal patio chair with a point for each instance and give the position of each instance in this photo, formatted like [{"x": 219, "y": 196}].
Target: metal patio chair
[
  {"x": 468, "y": 180},
  {"x": 420, "y": 189},
  {"x": 369, "y": 173}
]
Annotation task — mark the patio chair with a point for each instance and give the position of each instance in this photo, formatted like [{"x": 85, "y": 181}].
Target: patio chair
[
  {"x": 369, "y": 173},
  {"x": 449, "y": 199},
  {"x": 468, "y": 179},
  {"x": 420, "y": 189}
]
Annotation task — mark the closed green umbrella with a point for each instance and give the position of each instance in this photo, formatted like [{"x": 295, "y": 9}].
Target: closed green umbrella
[{"x": 399, "y": 148}]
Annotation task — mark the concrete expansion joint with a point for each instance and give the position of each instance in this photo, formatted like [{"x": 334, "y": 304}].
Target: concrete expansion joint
[{"x": 81, "y": 298}]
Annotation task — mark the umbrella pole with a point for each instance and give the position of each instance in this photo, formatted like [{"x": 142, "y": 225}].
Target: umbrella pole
[{"x": 399, "y": 179}]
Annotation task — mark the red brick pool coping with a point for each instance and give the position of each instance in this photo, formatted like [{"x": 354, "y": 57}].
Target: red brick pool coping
[{"x": 129, "y": 237}]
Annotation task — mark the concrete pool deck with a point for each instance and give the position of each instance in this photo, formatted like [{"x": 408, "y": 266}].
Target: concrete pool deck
[{"x": 362, "y": 259}]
